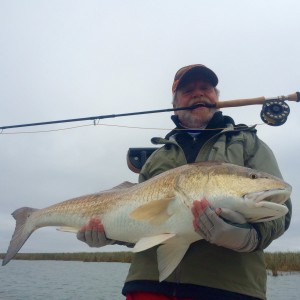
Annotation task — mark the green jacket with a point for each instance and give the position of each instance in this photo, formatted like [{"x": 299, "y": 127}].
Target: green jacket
[{"x": 206, "y": 264}]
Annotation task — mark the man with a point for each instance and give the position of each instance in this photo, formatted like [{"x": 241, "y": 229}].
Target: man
[{"x": 228, "y": 263}]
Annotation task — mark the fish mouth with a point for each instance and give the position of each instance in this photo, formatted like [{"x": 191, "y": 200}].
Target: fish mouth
[
  {"x": 278, "y": 196},
  {"x": 268, "y": 204}
]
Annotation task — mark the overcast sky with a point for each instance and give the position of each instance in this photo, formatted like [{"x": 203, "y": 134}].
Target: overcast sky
[{"x": 64, "y": 59}]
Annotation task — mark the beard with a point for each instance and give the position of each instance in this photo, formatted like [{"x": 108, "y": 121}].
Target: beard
[
  {"x": 189, "y": 120},
  {"x": 199, "y": 117}
]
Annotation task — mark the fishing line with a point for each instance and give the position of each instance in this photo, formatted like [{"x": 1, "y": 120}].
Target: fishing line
[
  {"x": 45, "y": 131},
  {"x": 112, "y": 125}
]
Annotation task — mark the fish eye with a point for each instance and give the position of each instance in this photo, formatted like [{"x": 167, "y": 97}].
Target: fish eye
[{"x": 253, "y": 176}]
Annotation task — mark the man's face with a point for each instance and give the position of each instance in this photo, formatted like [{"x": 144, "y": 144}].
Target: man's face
[{"x": 195, "y": 92}]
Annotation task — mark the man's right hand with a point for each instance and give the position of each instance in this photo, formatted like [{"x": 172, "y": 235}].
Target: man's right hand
[{"x": 93, "y": 234}]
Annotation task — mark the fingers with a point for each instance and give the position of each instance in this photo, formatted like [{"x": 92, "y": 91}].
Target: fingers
[
  {"x": 205, "y": 218},
  {"x": 94, "y": 224},
  {"x": 93, "y": 234},
  {"x": 198, "y": 208},
  {"x": 207, "y": 223},
  {"x": 81, "y": 236}
]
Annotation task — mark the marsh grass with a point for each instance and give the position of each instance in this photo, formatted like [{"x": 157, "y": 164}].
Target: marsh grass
[
  {"x": 275, "y": 261},
  {"x": 123, "y": 257},
  {"x": 282, "y": 262}
]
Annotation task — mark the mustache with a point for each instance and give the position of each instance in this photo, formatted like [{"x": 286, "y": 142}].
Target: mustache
[
  {"x": 194, "y": 103},
  {"x": 199, "y": 100}
]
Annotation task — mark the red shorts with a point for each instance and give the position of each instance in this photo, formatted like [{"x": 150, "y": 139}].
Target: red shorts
[{"x": 151, "y": 296}]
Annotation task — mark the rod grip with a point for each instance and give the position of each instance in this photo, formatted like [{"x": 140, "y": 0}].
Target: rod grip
[{"x": 240, "y": 102}]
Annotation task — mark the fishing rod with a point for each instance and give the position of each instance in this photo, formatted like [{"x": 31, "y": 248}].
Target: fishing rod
[{"x": 274, "y": 112}]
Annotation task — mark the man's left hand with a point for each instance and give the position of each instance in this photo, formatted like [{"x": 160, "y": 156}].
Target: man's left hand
[{"x": 213, "y": 226}]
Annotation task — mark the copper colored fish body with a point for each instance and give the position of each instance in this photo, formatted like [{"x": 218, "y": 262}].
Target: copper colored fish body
[{"x": 158, "y": 211}]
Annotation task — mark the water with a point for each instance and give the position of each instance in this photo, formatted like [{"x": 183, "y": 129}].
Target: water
[{"x": 60, "y": 280}]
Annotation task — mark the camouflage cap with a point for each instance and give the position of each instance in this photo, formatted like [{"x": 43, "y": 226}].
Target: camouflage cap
[{"x": 192, "y": 70}]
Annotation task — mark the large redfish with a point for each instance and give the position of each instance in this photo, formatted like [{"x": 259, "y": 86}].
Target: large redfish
[{"x": 158, "y": 211}]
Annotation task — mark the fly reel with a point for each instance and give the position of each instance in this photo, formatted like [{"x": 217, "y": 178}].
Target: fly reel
[{"x": 274, "y": 112}]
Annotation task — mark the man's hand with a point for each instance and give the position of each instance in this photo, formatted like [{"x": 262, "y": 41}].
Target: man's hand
[
  {"x": 93, "y": 234},
  {"x": 232, "y": 232}
]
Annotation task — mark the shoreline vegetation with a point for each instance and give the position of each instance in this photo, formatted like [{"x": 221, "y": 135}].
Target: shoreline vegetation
[{"x": 276, "y": 262}]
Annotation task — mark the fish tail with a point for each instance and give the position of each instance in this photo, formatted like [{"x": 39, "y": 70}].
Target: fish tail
[{"x": 22, "y": 232}]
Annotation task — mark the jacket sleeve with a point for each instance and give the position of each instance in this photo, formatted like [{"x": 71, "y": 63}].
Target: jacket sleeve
[
  {"x": 145, "y": 172},
  {"x": 262, "y": 158}
]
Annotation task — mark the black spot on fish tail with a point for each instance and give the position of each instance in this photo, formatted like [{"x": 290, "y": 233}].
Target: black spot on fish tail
[{"x": 21, "y": 234}]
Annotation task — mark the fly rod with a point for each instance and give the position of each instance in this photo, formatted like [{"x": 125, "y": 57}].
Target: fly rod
[{"x": 275, "y": 111}]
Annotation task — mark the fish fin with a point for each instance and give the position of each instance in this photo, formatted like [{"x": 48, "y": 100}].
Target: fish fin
[
  {"x": 123, "y": 185},
  {"x": 67, "y": 229},
  {"x": 170, "y": 254},
  {"x": 21, "y": 234},
  {"x": 156, "y": 212},
  {"x": 151, "y": 241}
]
